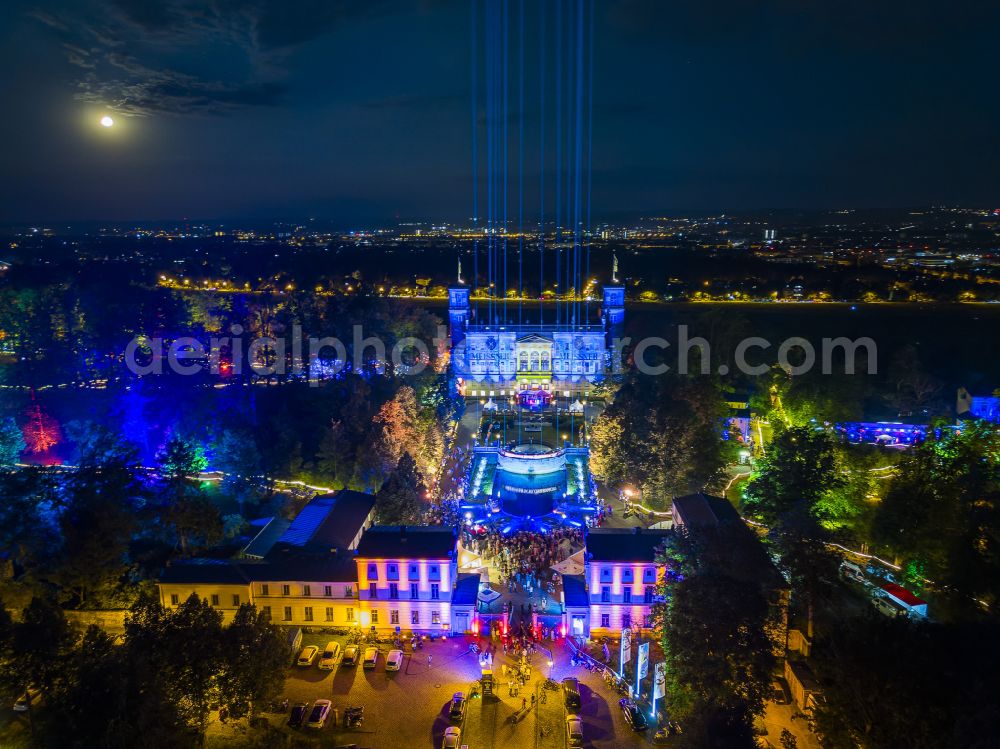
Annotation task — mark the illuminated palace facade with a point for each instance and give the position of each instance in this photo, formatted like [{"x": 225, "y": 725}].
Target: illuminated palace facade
[{"x": 534, "y": 361}]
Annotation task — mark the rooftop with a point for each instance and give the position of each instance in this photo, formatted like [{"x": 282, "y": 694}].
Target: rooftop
[
  {"x": 575, "y": 591},
  {"x": 329, "y": 568},
  {"x": 702, "y": 510},
  {"x": 328, "y": 522},
  {"x": 466, "y": 591},
  {"x": 408, "y": 542},
  {"x": 624, "y": 544}
]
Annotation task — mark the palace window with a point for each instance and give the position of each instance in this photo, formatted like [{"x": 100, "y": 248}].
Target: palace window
[
  {"x": 329, "y": 613},
  {"x": 267, "y": 612},
  {"x": 236, "y": 599},
  {"x": 264, "y": 591},
  {"x": 626, "y": 621},
  {"x": 394, "y": 616},
  {"x": 174, "y": 599},
  {"x": 627, "y": 595},
  {"x": 306, "y": 590},
  {"x": 373, "y": 572},
  {"x": 374, "y": 616},
  {"x": 415, "y": 618},
  {"x": 414, "y": 572},
  {"x": 605, "y": 594},
  {"x": 309, "y": 613},
  {"x": 435, "y": 617},
  {"x": 328, "y": 591},
  {"x": 605, "y": 620},
  {"x": 350, "y": 614},
  {"x": 348, "y": 591},
  {"x": 647, "y": 594},
  {"x": 286, "y": 590},
  {"x": 372, "y": 590},
  {"x": 287, "y": 614},
  {"x": 392, "y": 572},
  {"x": 393, "y": 590},
  {"x": 435, "y": 593},
  {"x": 414, "y": 591},
  {"x": 215, "y": 599}
]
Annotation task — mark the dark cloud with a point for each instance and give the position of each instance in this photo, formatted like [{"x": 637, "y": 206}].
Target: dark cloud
[{"x": 257, "y": 38}]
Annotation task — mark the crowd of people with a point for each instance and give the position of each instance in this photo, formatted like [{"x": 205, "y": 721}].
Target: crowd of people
[{"x": 526, "y": 556}]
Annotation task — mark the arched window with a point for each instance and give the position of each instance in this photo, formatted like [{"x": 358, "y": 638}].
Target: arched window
[
  {"x": 534, "y": 361},
  {"x": 524, "y": 361},
  {"x": 545, "y": 361}
]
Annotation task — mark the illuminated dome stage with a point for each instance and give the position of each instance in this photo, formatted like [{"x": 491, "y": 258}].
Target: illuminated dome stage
[{"x": 529, "y": 487}]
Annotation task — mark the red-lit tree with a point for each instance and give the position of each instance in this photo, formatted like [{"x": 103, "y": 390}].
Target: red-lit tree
[{"x": 42, "y": 431}]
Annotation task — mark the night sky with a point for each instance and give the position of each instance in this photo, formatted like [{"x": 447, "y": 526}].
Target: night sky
[{"x": 360, "y": 111}]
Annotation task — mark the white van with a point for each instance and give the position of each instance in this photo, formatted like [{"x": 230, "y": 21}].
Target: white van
[
  {"x": 886, "y": 607},
  {"x": 330, "y": 655},
  {"x": 852, "y": 571}
]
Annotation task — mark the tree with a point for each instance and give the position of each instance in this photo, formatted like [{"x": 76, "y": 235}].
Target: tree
[
  {"x": 12, "y": 442},
  {"x": 400, "y": 501},
  {"x": 40, "y": 643},
  {"x": 794, "y": 493},
  {"x": 237, "y": 456},
  {"x": 96, "y": 527},
  {"x": 714, "y": 631},
  {"x": 336, "y": 457},
  {"x": 256, "y": 657},
  {"x": 663, "y": 434},
  {"x": 180, "y": 460},
  {"x": 41, "y": 432},
  {"x": 193, "y": 519},
  {"x": 93, "y": 694},
  {"x": 27, "y": 531},
  {"x": 183, "y": 649},
  {"x": 942, "y": 512}
]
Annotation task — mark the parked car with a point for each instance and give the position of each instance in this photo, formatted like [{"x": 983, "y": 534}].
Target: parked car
[
  {"x": 298, "y": 715},
  {"x": 452, "y": 738},
  {"x": 574, "y": 731},
  {"x": 394, "y": 660},
  {"x": 350, "y": 656},
  {"x": 329, "y": 656},
  {"x": 571, "y": 693},
  {"x": 307, "y": 656},
  {"x": 456, "y": 712},
  {"x": 779, "y": 693},
  {"x": 319, "y": 714},
  {"x": 632, "y": 714},
  {"x": 371, "y": 657},
  {"x": 26, "y": 700}
]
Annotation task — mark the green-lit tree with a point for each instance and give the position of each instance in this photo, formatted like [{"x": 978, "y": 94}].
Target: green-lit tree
[
  {"x": 942, "y": 514},
  {"x": 797, "y": 493},
  {"x": 713, "y": 625}
]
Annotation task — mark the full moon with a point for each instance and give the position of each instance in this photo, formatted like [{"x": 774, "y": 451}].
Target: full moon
[{"x": 107, "y": 121}]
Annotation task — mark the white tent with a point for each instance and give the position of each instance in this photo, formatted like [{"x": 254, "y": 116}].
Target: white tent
[{"x": 571, "y": 565}]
